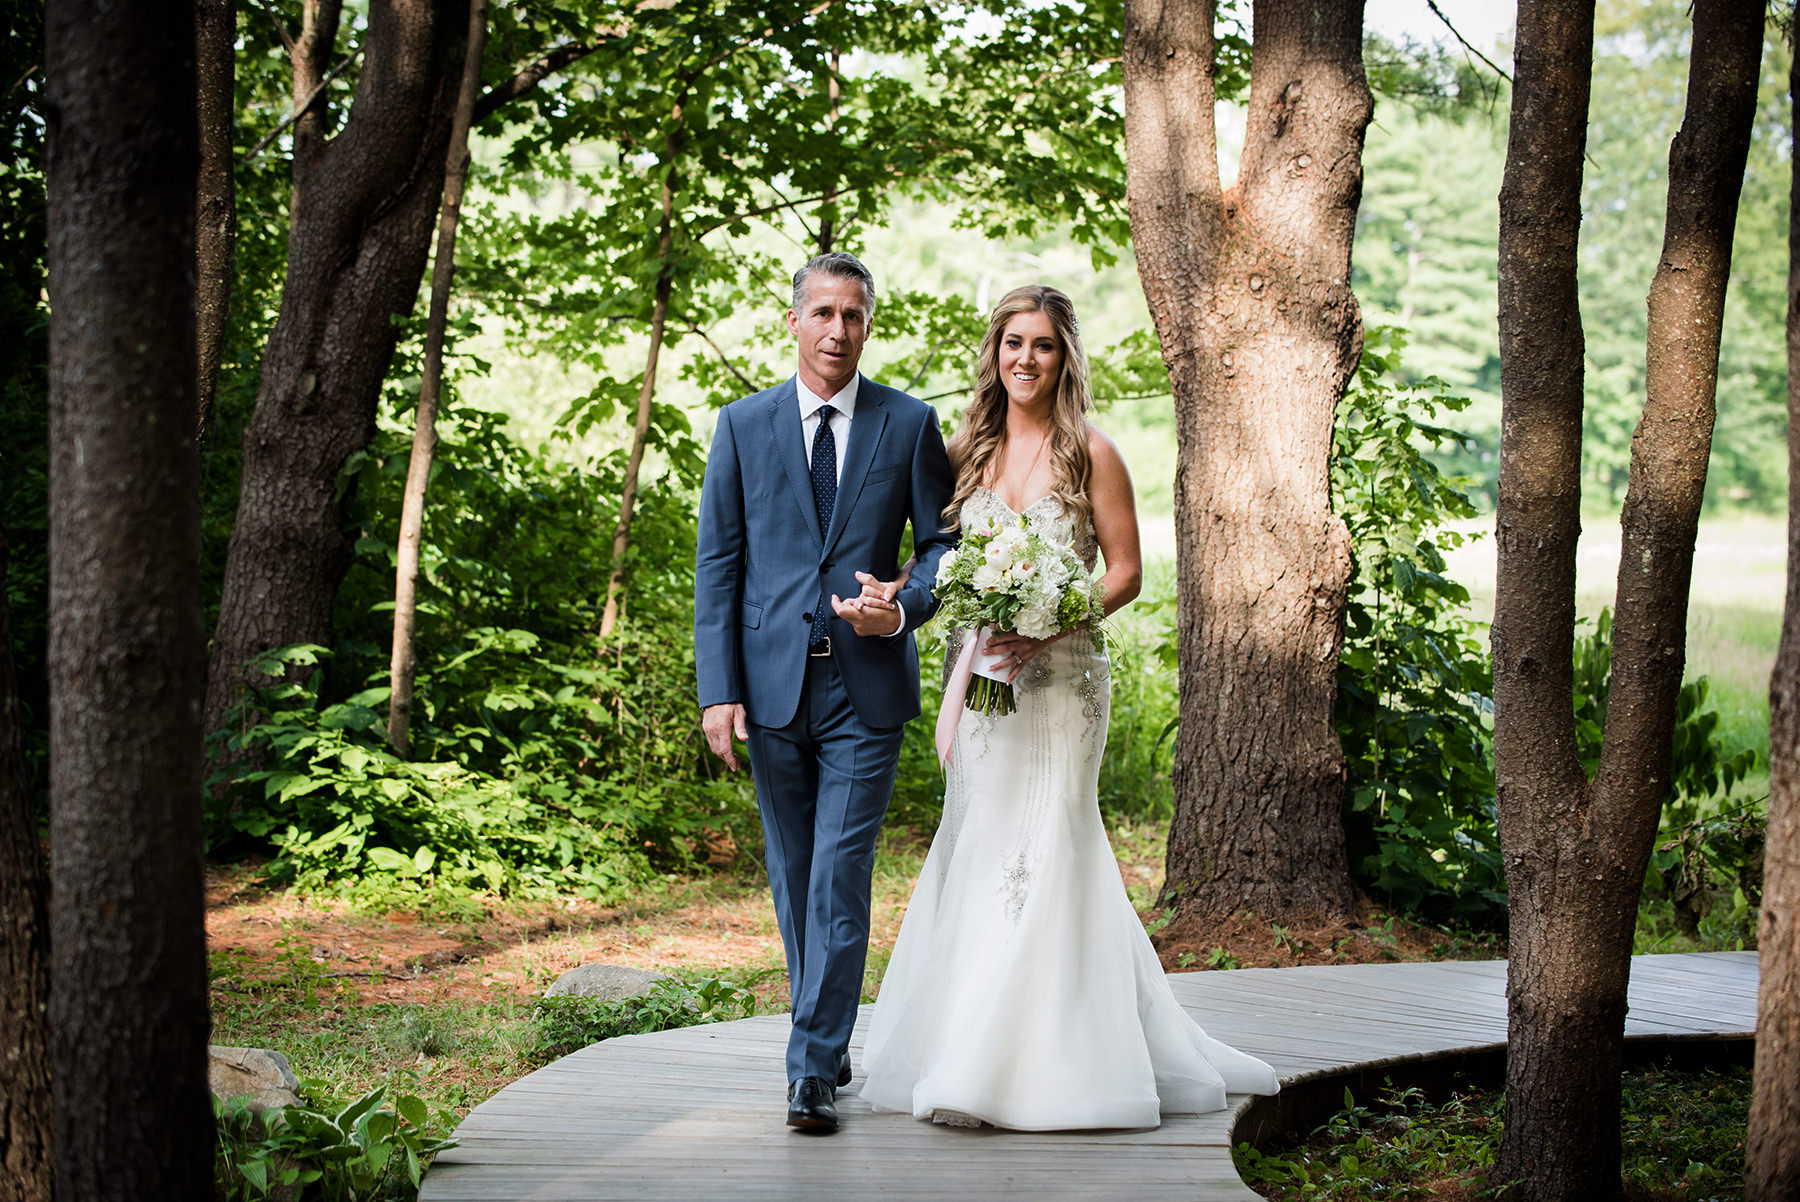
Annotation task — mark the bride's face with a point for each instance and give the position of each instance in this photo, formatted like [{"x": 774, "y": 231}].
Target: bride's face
[{"x": 1030, "y": 359}]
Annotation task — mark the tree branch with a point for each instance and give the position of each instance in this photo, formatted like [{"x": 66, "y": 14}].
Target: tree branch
[
  {"x": 535, "y": 72},
  {"x": 20, "y": 82},
  {"x": 302, "y": 106},
  {"x": 731, "y": 367},
  {"x": 1454, "y": 32},
  {"x": 726, "y": 219},
  {"x": 726, "y": 53},
  {"x": 287, "y": 39}
]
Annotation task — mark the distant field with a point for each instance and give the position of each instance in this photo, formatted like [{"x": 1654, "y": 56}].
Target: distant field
[
  {"x": 1734, "y": 616},
  {"x": 1734, "y": 610}
]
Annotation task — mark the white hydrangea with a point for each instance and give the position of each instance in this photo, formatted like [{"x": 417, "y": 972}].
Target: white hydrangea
[{"x": 1038, "y": 619}]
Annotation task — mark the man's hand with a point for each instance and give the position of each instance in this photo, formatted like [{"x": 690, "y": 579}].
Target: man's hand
[
  {"x": 871, "y": 619},
  {"x": 720, "y": 722}
]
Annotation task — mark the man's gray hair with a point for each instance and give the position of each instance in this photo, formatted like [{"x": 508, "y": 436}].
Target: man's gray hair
[{"x": 837, "y": 263}]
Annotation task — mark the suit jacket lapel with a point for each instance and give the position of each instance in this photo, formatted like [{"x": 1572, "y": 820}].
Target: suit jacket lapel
[
  {"x": 790, "y": 447},
  {"x": 865, "y": 436}
]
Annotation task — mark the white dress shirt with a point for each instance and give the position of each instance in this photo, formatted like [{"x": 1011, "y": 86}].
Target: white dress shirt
[{"x": 844, "y": 403}]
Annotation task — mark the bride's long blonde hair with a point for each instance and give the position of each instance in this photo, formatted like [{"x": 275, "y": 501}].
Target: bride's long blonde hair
[{"x": 983, "y": 432}]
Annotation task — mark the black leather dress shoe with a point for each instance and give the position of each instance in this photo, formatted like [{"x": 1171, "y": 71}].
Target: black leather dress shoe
[
  {"x": 844, "y": 1071},
  {"x": 811, "y": 1105}
]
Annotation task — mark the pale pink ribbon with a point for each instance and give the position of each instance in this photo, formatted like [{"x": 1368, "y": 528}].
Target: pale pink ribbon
[{"x": 956, "y": 692}]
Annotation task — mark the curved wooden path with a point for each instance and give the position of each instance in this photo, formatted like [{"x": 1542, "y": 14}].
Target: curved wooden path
[{"x": 699, "y": 1113}]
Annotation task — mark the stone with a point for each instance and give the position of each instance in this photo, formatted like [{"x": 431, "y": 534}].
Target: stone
[
  {"x": 608, "y": 982},
  {"x": 262, "y": 1077}
]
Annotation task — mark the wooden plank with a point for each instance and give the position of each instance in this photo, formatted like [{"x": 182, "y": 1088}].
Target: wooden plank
[{"x": 698, "y": 1113}]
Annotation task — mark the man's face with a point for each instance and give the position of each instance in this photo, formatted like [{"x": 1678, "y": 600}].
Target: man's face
[{"x": 831, "y": 328}]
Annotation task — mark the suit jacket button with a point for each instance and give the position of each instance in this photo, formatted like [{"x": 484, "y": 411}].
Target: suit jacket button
[
  {"x": 825, "y": 567},
  {"x": 807, "y": 618}
]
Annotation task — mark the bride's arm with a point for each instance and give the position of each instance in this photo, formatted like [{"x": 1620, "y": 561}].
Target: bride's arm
[{"x": 1115, "y": 523}]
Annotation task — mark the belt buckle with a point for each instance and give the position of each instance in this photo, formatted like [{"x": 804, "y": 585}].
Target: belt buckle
[{"x": 820, "y": 649}]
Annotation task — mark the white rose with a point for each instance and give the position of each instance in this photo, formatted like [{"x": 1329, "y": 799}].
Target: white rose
[{"x": 988, "y": 577}]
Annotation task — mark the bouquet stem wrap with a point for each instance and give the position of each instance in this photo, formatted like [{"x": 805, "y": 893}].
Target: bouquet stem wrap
[{"x": 976, "y": 682}]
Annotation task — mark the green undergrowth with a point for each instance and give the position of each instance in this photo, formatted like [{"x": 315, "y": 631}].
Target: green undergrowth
[
  {"x": 455, "y": 1053},
  {"x": 1683, "y": 1139}
]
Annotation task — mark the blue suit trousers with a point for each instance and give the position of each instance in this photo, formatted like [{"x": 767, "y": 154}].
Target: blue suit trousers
[{"x": 822, "y": 783}]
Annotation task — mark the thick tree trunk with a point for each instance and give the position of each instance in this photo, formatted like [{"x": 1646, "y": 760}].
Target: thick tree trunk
[
  {"x": 1772, "y": 1152},
  {"x": 404, "y": 665},
  {"x": 640, "y": 433},
  {"x": 361, "y": 222},
  {"x": 215, "y": 226},
  {"x": 1576, "y": 851},
  {"x": 128, "y": 1004},
  {"x": 1250, "y": 291},
  {"x": 24, "y": 956}
]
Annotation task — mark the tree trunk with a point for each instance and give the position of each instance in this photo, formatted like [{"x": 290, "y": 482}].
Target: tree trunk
[
  {"x": 405, "y": 663},
  {"x": 1772, "y": 1152},
  {"x": 1576, "y": 851},
  {"x": 640, "y": 434},
  {"x": 1250, "y": 291},
  {"x": 24, "y": 956},
  {"x": 128, "y": 1000},
  {"x": 215, "y": 225},
  {"x": 360, "y": 229},
  {"x": 828, "y": 231}
]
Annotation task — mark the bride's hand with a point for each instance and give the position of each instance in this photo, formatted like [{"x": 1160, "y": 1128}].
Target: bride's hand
[
  {"x": 879, "y": 594},
  {"x": 1018, "y": 650}
]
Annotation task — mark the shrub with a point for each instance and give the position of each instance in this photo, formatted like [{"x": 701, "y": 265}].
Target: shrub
[
  {"x": 364, "y": 1152},
  {"x": 568, "y": 1024},
  {"x": 1415, "y": 686},
  {"x": 543, "y": 760}
]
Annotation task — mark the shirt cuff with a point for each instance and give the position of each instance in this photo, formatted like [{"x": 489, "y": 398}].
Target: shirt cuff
[{"x": 901, "y": 608}]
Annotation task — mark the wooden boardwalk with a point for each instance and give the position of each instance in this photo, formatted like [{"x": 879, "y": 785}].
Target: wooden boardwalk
[{"x": 699, "y": 1113}]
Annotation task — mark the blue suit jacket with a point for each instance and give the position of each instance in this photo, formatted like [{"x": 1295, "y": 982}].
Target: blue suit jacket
[{"x": 762, "y": 557}]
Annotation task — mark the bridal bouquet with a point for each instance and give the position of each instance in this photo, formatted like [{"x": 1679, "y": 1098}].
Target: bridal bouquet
[{"x": 1005, "y": 577}]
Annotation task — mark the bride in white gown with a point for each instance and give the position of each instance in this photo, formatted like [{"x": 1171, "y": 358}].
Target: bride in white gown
[{"x": 1023, "y": 991}]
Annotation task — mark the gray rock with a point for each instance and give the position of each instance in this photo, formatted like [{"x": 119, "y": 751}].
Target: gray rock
[
  {"x": 608, "y": 982},
  {"x": 257, "y": 1074}
]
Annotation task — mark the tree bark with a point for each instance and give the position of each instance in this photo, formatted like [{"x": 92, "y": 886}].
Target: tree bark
[
  {"x": 128, "y": 999},
  {"x": 361, "y": 222},
  {"x": 215, "y": 226},
  {"x": 25, "y": 1114},
  {"x": 1575, "y": 850},
  {"x": 1772, "y": 1152},
  {"x": 405, "y": 664},
  {"x": 1250, "y": 291},
  {"x": 640, "y": 434}
]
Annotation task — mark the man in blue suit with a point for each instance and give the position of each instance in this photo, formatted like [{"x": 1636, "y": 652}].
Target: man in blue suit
[{"x": 809, "y": 489}]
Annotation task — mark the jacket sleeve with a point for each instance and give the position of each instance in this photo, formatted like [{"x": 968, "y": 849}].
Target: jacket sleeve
[
  {"x": 932, "y": 487},
  {"x": 719, "y": 572}
]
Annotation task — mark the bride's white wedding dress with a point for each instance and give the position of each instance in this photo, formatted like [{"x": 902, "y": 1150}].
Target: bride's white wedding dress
[{"x": 1022, "y": 990}]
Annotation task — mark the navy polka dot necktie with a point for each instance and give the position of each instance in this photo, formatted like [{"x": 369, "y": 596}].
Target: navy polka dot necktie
[{"x": 824, "y": 483}]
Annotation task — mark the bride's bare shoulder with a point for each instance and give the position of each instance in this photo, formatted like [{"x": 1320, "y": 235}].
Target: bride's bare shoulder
[{"x": 1104, "y": 452}]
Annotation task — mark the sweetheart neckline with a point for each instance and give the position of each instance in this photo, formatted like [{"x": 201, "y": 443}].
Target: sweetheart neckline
[{"x": 1015, "y": 512}]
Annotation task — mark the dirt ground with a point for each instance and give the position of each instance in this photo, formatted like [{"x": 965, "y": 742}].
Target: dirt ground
[{"x": 711, "y": 923}]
